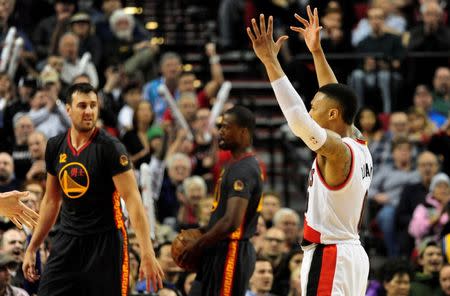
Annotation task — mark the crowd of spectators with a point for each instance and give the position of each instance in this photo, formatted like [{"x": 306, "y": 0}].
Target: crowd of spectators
[{"x": 404, "y": 114}]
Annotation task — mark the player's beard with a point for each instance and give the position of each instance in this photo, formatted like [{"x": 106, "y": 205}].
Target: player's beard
[{"x": 85, "y": 127}]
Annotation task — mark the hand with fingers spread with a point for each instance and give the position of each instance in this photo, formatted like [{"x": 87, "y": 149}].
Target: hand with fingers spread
[
  {"x": 16, "y": 211},
  {"x": 151, "y": 271},
  {"x": 311, "y": 31},
  {"x": 266, "y": 49}
]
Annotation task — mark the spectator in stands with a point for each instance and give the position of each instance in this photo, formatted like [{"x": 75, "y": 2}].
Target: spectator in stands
[
  {"x": 33, "y": 200},
  {"x": 432, "y": 34},
  {"x": 412, "y": 195},
  {"x": 420, "y": 127},
  {"x": 68, "y": 48},
  {"x": 441, "y": 93},
  {"x": 261, "y": 281},
  {"x": 258, "y": 239},
  {"x": 49, "y": 30},
  {"x": 423, "y": 99},
  {"x": 444, "y": 280},
  {"x": 37, "y": 142},
  {"x": 440, "y": 145},
  {"x": 387, "y": 184},
  {"x": 132, "y": 97},
  {"x": 179, "y": 167},
  {"x": 136, "y": 140},
  {"x": 81, "y": 25},
  {"x": 430, "y": 216},
  {"x": 188, "y": 106},
  {"x": 291, "y": 262},
  {"x": 112, "y": 91},
  {"x": 382, "y": 150},
  {"x": 7, "y": 180},
  {"x": 194, "y": 190},
  {"x": 396, "y": 278},
  {"x": 48, "y": 114},
  {"x": 23, "y": 127},
  {"x": 170, "y": 66},
  {"x": 378, "y": 73},
  {"x": 7, "y": 95},
  {"x": 13, "y": 244},
  {"x": 426, "y": 281},
  {"x": 21, "y": 103},
  {"x": 288, "y": 221},
  {"x": 7, "y": 267},
  {"x": 124, "y": 43},
  {"x": 274, "y": 248},
  {"x": 271, "y": 203},
  {"x": 295, "y": 288},
  {"x": 369, "y": 125}
]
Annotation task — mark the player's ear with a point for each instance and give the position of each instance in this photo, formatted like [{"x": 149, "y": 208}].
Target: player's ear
[{"x": 333, "y": 113}]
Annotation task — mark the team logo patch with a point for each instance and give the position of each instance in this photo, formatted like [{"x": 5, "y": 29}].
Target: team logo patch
[
  {"x": 74, "y": 180},
  {"x": 62, "y": 158},
  {"x": 238, "y": 185},
  {"x": 123, "y": 160}
]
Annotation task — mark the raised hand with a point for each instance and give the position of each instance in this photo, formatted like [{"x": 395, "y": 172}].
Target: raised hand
[
  {"x": 311, "y": 32},
  {"x": 266, "y": 49}
]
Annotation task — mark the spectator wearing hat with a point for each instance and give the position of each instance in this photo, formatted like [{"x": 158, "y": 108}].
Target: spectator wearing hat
[
  {"x": 81, "y": 25},
  {"x": 51, "y": 28},
  {"x": 430, "y": 216},
  {"x": 8, "y": 265},
  {"x": 426, "y": 281}
]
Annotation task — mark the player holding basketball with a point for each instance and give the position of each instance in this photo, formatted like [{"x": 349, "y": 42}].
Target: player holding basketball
[
  {"x": 334, "y": 261},
  {"x": 88, "y": 172},
  {"x": 227, "y": 255}
]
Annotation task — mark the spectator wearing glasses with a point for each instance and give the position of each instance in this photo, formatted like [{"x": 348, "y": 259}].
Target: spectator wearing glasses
[{"x": 273, "y": 247}]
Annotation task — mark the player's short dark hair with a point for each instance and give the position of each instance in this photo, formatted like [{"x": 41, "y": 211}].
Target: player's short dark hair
[
  {"x": 346, "y": 98},
  {"x": 395, "y": 267},
  {"x": 84, "y": 88},
  {"x": 243, "y": 118}
]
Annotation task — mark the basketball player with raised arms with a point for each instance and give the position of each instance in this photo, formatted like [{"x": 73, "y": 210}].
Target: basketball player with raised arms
[{"x": 334, "y": 261}]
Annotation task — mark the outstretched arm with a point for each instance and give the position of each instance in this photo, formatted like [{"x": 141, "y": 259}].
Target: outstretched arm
[
  {"x": 311, "y": 34},
  {"x": 326, "y": 143}
]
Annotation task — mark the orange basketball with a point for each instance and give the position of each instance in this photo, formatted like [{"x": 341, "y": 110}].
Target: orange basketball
[{"x": 180, "y": 243}]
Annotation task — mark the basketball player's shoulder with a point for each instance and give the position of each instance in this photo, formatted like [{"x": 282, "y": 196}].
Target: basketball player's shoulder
[
  {"x": 57, "y": 140},
  {"x": 105, "y": 138}
]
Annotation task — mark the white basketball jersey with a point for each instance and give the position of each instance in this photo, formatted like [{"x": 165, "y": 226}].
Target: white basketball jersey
[{"x": 334, "y": 213}]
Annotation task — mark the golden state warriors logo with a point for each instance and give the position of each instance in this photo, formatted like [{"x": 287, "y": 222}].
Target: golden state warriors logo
[{"x": 74, "y": 180}]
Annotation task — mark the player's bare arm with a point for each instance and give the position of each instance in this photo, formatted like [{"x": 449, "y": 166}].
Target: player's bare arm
[
  {"x": 150, "y": 269},
  {"x": 50, "y": 206},
  {"x": 311, "y": 35},
  {"x": 236, "y": 208},
  {"x": 335, "y": 157}
]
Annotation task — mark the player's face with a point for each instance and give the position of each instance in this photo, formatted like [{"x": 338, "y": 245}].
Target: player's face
[
  {"x": 398, "y": 286},
  {"x": 321, "y": 109},
  {"x": 230, "y": 134},
  {"x": 444, "y": 279},
  {"x": 83, "y": 111}
]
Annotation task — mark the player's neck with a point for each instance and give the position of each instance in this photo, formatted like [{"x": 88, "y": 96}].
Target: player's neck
[
  {"x": 241, "y": 151},
  {"x": 79, "y": 138},
  {"x": 343, "y": 130}
]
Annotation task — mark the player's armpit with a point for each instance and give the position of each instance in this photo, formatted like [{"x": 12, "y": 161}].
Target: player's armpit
[{"x": 335, "y": 163}]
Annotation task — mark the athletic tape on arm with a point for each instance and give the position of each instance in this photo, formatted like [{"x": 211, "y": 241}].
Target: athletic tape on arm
[{"x": 298, "y": 119}]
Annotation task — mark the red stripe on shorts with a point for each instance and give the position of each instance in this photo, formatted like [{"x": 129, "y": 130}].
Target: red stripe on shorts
[{"x": 327, "y": 271}]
